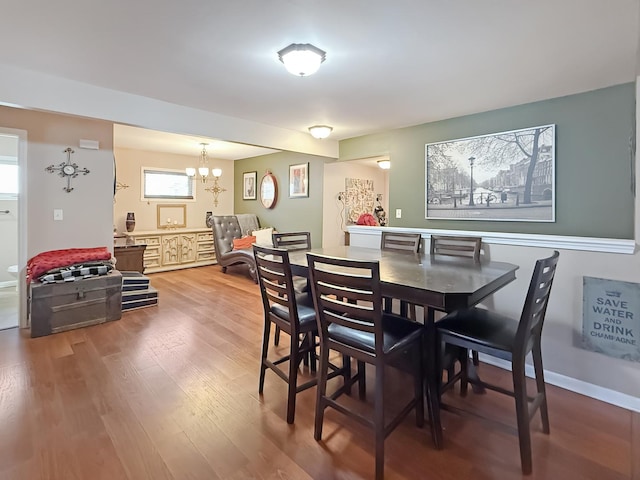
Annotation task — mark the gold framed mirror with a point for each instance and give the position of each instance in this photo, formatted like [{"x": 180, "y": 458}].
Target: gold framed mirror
[
  {"x": 172, "y": 215},
  {"x": 268, "y": 190}
]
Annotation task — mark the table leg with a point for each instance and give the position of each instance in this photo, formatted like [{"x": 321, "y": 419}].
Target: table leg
[{"x": 433, "y": 376}]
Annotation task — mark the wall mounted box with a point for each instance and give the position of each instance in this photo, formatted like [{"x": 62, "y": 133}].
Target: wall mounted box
[{"x": 57, "y": 307}]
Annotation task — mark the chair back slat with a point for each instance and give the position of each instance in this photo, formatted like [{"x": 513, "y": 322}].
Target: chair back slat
[
  {"x": 276, "y": 281},
  {"x": 347, "y": 293},
  {"x": 292, "y": 240},
  {"x": 455, "y": 246},
  {"x": 401, "y": 242},
  {"x": 535, "y": 304}
]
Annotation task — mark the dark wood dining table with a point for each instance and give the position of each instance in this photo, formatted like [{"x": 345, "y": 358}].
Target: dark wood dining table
[{"x": 437, "y": 282}]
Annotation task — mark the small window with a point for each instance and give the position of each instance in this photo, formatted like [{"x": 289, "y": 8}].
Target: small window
[{"x": 166, "y": 184}]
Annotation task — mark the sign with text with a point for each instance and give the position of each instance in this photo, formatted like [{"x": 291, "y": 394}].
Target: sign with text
[{"x": 611, "y": 317}]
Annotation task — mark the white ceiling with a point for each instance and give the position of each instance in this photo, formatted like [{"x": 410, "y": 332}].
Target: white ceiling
[
  {"x": 151, "y": 140},
  {"x": 389, "y": 63}
]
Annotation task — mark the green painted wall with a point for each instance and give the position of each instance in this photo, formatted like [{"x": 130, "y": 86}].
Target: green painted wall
[
  {"x": 289, "y": 214},
  {"x": 593, "y": 162}
]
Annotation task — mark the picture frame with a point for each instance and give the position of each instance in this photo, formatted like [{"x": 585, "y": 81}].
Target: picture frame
[
  {"x": 491, "y": 177},
  {"x": 299, "y": 180},
  {"x": 249, "y": 185},
  {"x": 172, "y": 216}
]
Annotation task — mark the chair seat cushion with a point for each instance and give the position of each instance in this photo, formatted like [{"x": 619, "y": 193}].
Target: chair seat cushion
[
  {"x": 480, "y": 326},
  {"x": 398, "y": 333},
  {"x": 300, "y": 285},
  {"x": 306, "y": 312}
]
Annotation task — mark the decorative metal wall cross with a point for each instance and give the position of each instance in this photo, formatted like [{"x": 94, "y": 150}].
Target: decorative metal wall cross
[
  {"x": 216, "y": 189},
  {"x": 67, "y": 169}
]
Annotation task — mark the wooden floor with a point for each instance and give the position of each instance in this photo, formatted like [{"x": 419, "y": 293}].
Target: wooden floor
[{"x": 170, "y": 392}]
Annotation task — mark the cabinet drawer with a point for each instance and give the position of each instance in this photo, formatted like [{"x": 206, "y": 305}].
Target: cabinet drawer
[
  {"x": 151, "y": 261},
  {"x": 148, "y": 240},
  {"x": 152, "y": 251},
  {"x": 205, "y": 236},
  {"x": 203, "y": 256},
  {"x": 205, "y": 246}
]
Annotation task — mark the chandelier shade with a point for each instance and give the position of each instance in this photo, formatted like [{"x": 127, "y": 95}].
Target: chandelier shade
[{"x": 203, "y": 165}]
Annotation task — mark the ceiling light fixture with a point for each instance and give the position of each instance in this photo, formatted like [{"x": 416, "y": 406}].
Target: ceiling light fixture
[
  {"x": 203, "y": 166},
  {"x": 302, "y": 59},
  {"x": 320, "y": 131},
  {"x": 384, "y": 164}
]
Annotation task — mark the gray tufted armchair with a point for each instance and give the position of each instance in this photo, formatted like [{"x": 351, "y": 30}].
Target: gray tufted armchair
[{"x": 225, "y": 229}]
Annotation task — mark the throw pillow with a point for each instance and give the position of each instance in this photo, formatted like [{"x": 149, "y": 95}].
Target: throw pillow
[
  {"x": 263, "y": 237},
  {"x": 244, "y": 242}
]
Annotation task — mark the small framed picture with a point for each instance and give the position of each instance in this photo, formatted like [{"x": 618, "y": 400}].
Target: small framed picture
[
  {"x": 249, "y": 185},
  {"x": 299, "y": 180}
]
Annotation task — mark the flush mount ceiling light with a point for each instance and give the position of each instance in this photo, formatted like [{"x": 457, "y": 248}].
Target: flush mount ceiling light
[
  {"x": 302, "y": 59},
  {"x": 320, "y": 131},
  {"x": 384, "y": 164}
]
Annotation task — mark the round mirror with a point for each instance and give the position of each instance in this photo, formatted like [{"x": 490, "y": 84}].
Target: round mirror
[{"x": 268, "y": 190}]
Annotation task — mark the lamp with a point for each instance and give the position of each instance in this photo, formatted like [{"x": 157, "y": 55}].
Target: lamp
[
  {"x": 384, "y": 164},
  {"x": 216, "y": 189},
  {"x": 320, "y": 131},
  {"x": 203, "y": 166},
  {"x": 471, "y": 162},
  {"x": 302, "y": 59}
]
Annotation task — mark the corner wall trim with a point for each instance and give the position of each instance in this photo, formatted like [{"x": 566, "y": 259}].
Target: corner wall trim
[{"x": 589, "y": 244}]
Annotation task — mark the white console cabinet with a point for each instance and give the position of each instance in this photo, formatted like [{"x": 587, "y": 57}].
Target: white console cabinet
[{"x": 174, "y": 249}]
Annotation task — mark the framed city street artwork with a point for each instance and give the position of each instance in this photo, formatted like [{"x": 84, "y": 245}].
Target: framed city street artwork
[
  {"x": 299, "y": 180},
  {"x": 505, "y": 176}
]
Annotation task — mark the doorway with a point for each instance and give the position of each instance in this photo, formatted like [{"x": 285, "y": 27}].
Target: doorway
[{"x": 9, "y": 230}]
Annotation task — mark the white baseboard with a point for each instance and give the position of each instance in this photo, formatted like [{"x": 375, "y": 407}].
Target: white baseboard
[
  {"x": 578, "y": 386},
  {"x": 10, "y": 283}
]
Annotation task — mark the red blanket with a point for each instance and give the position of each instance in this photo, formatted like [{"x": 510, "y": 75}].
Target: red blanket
[{"x": 45, "y": 261}]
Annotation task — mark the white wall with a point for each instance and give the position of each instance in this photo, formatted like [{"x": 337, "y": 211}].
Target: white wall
[
  {"x": 566, "y": 363},
  {"x": 129, "y": 163},
  {"x": 88, "y": 209},
  {"x": 333, "y": 225}
]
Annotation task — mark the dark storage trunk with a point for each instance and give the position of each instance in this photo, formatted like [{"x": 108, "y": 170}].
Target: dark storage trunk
[{"x": 56, "y": 307}]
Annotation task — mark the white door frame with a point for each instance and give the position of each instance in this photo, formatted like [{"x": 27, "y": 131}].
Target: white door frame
[{"x": 22, "y": 221}]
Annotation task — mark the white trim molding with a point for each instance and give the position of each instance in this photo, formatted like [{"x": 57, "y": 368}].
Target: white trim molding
[
  {"x": 562, "y": 242},
  {"x": 578, "y": 386}
]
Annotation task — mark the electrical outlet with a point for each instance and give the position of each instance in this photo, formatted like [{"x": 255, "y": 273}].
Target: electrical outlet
[
  {"x": 57, "y": 214},
  {"x": 398, "y": 213}
]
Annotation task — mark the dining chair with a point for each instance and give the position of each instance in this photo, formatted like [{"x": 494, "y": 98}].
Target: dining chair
[
  {"x": 292, "y": 241},
  {"x": 457, "y": 246},
  {"x": 509, "y": 339},
  {"x": 403, "y": 243},
  {"x": 291, "y": 312},
  {"x": 351, "y": 320}
]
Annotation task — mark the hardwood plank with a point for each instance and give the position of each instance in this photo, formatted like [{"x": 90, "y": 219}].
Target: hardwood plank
[{"x": 170, "y": 392}]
